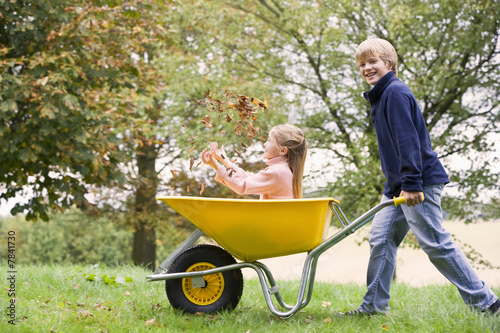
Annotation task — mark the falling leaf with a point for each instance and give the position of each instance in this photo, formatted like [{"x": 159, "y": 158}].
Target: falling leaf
[
  {"x": 206, "y": 121},
  {"x": 192, "y": 148},
  {"x": 202, "y": 188},
  {"x": 237, "y": 152},
  {"x": 173, "y": 172},
  {"x": 191, "y": 163},
  {"x": 187, "y": 189}
]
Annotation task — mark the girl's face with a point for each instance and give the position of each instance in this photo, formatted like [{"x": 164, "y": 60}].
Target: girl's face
[
  {"x": 373, "y": 69},
  {"x": 271, "y": 148}
]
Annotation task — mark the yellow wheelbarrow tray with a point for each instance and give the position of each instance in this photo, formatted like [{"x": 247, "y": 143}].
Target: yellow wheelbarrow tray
[{"x": 205, "y": 278}]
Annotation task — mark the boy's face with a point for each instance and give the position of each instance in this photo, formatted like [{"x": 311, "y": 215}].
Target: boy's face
[{"x": 373, "y": 69}]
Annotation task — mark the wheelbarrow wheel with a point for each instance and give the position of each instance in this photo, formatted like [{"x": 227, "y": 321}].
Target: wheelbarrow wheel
[{"x": 210, "y": 293}]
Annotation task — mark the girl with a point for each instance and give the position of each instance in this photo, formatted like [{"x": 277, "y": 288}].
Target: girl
[{"x": 285, "y": 152}]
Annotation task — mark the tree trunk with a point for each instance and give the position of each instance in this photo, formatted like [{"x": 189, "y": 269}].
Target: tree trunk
[{"x": 144, "y": 245}]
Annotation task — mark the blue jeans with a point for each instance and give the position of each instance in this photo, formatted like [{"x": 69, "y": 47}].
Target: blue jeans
[{"x": 390, "y": 226}]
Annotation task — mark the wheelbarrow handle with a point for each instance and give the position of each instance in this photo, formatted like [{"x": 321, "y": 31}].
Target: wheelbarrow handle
[
  {"x": 402, "y": 200},
  {"x": 399, "y": 200}
]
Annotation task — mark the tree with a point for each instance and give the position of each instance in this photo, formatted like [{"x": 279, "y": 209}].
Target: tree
[{"x": 64, "y": 65}]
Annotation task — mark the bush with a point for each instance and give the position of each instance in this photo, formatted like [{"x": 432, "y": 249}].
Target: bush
[
  {"x": 74, "y": 237},
  {"x": 68, "y": 238}
]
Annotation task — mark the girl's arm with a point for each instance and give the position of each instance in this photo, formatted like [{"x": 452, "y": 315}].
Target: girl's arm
[{"x": 242, "y": 183}]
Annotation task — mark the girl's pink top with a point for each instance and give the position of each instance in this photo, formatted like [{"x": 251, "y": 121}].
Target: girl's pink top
[{"x": 274, "y": 182}]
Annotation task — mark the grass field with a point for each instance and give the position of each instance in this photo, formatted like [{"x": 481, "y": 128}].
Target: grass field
[{"x": 79, "y": 299}]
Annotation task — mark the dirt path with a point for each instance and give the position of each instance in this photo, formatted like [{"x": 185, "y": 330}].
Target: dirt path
[{"x": 347, "y": 262}]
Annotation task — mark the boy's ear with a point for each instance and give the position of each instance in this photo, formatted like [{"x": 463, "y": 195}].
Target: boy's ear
[{"x": 284, "y": 151}]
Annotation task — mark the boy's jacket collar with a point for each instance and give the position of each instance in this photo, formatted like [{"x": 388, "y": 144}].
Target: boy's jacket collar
[{"x": 374, "y": 94}]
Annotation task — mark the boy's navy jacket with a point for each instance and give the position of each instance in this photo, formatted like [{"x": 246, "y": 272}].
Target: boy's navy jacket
[{"x": 406, "y": 155}]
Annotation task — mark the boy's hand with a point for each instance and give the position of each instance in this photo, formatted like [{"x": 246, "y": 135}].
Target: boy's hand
[{"x": 413, "y": 198}]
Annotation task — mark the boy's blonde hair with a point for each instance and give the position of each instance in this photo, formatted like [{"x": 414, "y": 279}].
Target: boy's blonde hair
[
  {"x": 292, "y": 137},
  {"x": 377, "y": 47}
]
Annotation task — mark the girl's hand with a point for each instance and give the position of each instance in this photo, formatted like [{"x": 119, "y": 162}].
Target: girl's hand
[
  {"x": 208, "y": 158},
  {"x": 220, "y": 156},
  {"x": 213, "y": 147}
]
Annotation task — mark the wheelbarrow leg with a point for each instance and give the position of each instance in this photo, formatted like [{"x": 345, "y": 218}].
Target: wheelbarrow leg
[{"x": 186, "y": 244}]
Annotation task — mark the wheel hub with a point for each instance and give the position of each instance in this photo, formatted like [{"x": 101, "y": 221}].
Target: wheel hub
[{"x": 203, "y": 290}]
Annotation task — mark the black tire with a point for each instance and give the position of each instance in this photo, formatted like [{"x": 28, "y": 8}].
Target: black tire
[{"x": 222, "y": 291}]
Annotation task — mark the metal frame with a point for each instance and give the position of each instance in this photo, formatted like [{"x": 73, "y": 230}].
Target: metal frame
[{"x": 268, "y": 284}]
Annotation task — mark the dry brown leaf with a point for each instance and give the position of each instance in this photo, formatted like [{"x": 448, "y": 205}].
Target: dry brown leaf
[
  {"x": 151, "y": 322},
  {"x": 84, "y": 313},
  {"x": 202, "y": 188},
  {"x": 191, "y": 163}
]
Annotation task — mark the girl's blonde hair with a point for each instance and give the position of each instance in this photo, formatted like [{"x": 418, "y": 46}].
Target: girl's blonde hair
[
  {"x": 377, "y": 47},
  {"x": 292, "y": 137}
]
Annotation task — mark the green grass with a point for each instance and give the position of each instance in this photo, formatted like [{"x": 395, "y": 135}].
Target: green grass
[{"x": 56, "y": 298}]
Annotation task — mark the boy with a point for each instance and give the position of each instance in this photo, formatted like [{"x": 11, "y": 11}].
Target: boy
[{"x": 414, "y": 171}]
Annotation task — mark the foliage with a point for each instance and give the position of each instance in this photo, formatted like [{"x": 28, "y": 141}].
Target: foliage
[
  {"x": 69, "y": 238},
  {"x": 63, "y": 68},
  {"x": 59, "y": 299}
]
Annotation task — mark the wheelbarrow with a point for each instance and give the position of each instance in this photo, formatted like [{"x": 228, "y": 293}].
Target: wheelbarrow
[{"x": 207, "y": 278}]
